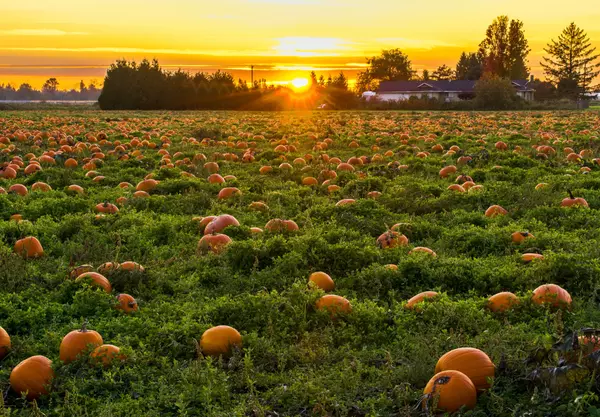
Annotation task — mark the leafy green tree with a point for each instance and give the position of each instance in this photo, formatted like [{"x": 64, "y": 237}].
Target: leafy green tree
[
  {"x": 442, "y": 73},
  {"x": 391, "y": 65},
  {"x": 425, "y": 76},
  {"x": 504, "y": 50},
  {"x": 495, "y": 93},
  {"x": 469, "y": 67},
  {"x": 571, "y": 62}
]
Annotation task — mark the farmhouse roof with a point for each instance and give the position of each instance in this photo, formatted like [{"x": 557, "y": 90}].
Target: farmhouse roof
[{"x": 462, "y": 86}]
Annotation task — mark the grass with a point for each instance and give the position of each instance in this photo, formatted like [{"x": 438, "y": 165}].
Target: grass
[{"x": 296, "y": 360}]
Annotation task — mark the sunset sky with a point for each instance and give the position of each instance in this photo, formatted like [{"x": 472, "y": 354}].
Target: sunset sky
[{"x": 74, "y": 40}]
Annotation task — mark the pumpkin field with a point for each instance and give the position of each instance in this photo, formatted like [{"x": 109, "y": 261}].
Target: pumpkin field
[{"x": 299, "y": 263}]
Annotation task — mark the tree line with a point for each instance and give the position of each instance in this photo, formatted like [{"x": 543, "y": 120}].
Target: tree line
[
  {"x": 570, "y": 64},
  {"x": 146, "y": 86},
  {"x": 50, "y": 91}
]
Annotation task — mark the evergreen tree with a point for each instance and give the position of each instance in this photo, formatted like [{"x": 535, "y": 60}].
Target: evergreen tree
[
  {"x": 571, "y": 62},
  {"x": 469, "y": 67}
]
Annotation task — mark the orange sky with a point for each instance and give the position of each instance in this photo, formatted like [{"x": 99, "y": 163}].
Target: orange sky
[{"x": 74, "y": 40}]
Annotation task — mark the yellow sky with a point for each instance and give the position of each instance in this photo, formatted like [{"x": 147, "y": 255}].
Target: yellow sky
[{"x": 40, "y": 38}]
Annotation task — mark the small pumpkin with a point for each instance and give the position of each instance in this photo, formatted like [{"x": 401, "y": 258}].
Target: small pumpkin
[
  {"x": 472, "y": 362},
  {"x": 5, "y": 343},
  {"x": 449, "y": 391},
  {"x": 105, "y": 354},
  {"x": 279, "y": 225},
  {"x": 528, "y": 257},
  {"x": 107, "y": 207},
  {"x": 391, "y": 239},
  {"x": 131, "y": 266},
  {"x": 322, "y": 280},
  {"x": 501, "y": 302},
  {"x": 412, "y": 303},
  {"x": 77, "y": 341},
  {"x": 421, "y": 249},
  {"x": 81, "y": 269},
  {"x": 215, "y": 243},
  {"x": 220, "y": 340},
  {"x": 127, "y": 303},
  {"x": 520, "y": 237},
  {"x": 32, "y": 377},
  {"x": 334, "y": 304}
]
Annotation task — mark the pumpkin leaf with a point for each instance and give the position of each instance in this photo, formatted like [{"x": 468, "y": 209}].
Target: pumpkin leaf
[{"x": 559, "y": 379}]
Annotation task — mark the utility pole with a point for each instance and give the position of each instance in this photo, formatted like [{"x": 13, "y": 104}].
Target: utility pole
[{"x": 252, "y": 75}]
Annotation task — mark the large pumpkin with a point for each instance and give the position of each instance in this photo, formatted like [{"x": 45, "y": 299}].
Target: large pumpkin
[
  {"x": 77, "y": 341},
  {"x": 472, "y": 362},
  {"x": 551, "y": 294},
  {"x": 220, "y": 340},
  {"x": 32, "y": 376},
  {"x": 29, "y": 247},
  {"x": 449, "y": 391}
]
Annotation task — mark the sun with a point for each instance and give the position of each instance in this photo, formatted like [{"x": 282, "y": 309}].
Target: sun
[{"x": 299, "y": 83}]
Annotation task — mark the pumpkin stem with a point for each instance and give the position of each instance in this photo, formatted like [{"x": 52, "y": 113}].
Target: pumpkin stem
[
  {"x": 570, "y": 194},
  {"x": 84, "y": 326}
]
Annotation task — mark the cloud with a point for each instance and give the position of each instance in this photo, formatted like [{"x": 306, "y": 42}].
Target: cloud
[
  {"x": 311, "y": 46},
  {"x": 286, "y": 2},
  {"x": 415, "y": 43},
  {"x": 39, "y": 32}
]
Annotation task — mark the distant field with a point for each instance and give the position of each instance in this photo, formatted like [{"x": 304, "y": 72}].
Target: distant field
[{"x": 345, "y": 179}]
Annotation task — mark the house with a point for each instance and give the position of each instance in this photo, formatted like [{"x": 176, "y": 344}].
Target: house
[{"x": 450, "y": 90}]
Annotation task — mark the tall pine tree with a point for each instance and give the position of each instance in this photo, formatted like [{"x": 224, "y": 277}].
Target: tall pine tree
[
  {"x": 469, "y": 67},
  {"x": 571, "y": 62}
]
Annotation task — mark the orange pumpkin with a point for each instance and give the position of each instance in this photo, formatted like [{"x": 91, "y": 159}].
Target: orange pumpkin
[
  {"x": 520, "y": 237},
  {"x": 572, "y": 201},
  {"x": 449, "y": 391},
  {"x": 96, "y": 279},
  {"x": 528, "y": 257},
  {"x": 502, "y": 302},
  {"x": 279, "y": 225},
  {"x": 81, "y": 269},
  {"x": 494, "y": 211},
  {"x": 334, "y": 304},
  {"x": 4, "y": 343},
  {"x": 131, "y": 266},
  {"x": 18, "y": 189},
  {"x": 146, "y": 185},
  {"x": 472, "y": 362},
  {"x": 220, "y": 340},
  {"x": 77, "y": 341},
  {"x": 322, "y": 280},
  {"x": 219, "y": 223},
  {"x": 422, "y": 249},
  {"x": 32, "y": 376},
  {"x": 228, "y": 192},
  {"x": 29, "y": 247},
  {"x": 446, "y": 171},
  {"x": 215, "y": 243},
  {"x": 551, "y": 294},
  {"x": 127, "y": 303},
  {"x": 412, "y": 303},
  {"x": 107, "y": 267},
  {"x": 345, "y": 202},
  {"x": 105, "y": 354},
  {"x": 107, "y": 207},
  {"x": 391, "y": 239}
]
